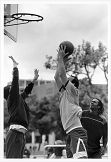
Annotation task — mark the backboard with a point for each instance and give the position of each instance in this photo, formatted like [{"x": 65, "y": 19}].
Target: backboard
[{"x": 10, "y": 31}]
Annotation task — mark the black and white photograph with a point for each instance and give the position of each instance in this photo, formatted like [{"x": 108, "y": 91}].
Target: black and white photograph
[{"x": 55, "y": 79}]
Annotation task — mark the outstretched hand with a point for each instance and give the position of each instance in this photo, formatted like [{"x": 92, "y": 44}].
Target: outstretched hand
[
  {"x": 15, "y": 63},
  {"x": 62, "y": 54},
  {"x": 61, "y": 51}
]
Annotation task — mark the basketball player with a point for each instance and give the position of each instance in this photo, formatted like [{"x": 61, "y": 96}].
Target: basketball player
[
  {"x": 69, "y": 107},
  {"x": 96, "y": 126},
  {"x": 19, "y": 114}
]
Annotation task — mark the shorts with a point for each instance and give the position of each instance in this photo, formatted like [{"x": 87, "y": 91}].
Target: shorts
[
  {"x": 15, "y": 143},
  {"x": 72, "y": 141}
]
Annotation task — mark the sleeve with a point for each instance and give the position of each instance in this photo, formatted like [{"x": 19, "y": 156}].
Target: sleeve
[
  {"x": 6, "y": 92},
  {"x": 14, "y": 90},
  {"x": 27, "y": 90}
]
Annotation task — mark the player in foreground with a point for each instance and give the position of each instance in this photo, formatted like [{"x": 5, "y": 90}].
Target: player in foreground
[
  {"x": 18, "y": 112},
  {"x": 69, "y": 107}
]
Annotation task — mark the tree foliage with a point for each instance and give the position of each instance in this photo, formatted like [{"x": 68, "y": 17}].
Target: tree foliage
[{"x": 43, "y": 118}]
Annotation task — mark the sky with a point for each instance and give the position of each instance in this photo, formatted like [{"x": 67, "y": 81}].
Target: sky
[{"x": 62, "y": 21}]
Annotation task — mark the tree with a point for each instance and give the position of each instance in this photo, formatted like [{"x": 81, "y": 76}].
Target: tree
[
  {"x": 103, "y": 65},
  {"x": 44, "y": 118}
]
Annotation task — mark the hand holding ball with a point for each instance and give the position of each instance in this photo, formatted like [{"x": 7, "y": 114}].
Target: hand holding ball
[{"x": 69, "y": 48}]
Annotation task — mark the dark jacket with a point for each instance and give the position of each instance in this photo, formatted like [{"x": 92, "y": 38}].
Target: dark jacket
[
  {"x": 17, "y": 107},
  {"x": 96, "y": 127}
]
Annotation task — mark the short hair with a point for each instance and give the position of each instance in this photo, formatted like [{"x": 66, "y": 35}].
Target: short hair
[
  {"x": 75, "y": 81},
  {"x": 6, "y": 91},
  {"x": 100, "y": 104}
]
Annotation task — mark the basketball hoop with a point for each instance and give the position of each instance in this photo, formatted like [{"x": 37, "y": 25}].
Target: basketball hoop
[{"x": 22, "y": 18}]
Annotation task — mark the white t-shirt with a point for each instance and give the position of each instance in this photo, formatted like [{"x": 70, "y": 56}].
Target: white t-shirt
[{"x": 69, "y": 108}]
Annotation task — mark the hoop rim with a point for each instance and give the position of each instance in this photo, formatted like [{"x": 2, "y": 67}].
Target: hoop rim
[{"x": 40, "y": 18}]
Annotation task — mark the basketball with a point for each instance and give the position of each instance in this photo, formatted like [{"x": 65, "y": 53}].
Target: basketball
[{"x": 69, "y": 48}]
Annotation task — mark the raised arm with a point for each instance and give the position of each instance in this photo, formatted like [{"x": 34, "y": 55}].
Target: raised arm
[
  {"x": 29, "y": 88},
  {"x": 58, "y": 79},
  {"x": 61, "y": 66},
  {"x": 14, "y": 91}
]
